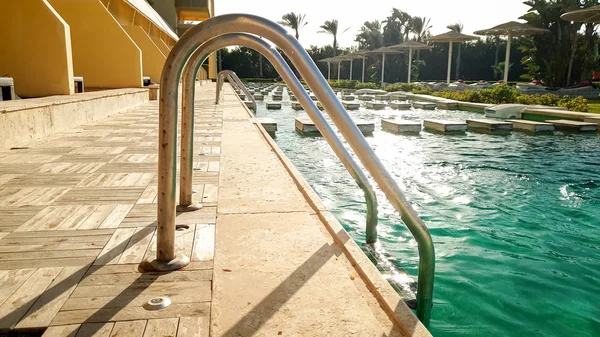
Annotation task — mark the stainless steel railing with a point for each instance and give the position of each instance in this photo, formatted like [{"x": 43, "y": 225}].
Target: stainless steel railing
[
  {"x": 234, "y": 80},
  {"x": 311, "y": 109},
  {"x": 167, "y": 259}
]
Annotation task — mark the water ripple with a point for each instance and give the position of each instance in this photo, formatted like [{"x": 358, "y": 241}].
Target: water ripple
[{"x": 514, "y": 219}]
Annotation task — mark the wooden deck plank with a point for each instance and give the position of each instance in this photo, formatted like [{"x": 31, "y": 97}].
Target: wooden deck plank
[
  {"x": 193, "y": 327},
  {"x": 48, "y": 263},
  {"x": 62, "y": 234},
  {"x": 17, "y": 304},
  {"x": 49, "y": 247},
  {"x": 136, "y": 289},
  {"x": 130, "y": 313},
  {"x": 137, "y": 246},
  {"x": 129, "y": 329},
  {"x": 100, "y": 195},
  {"x": 148, "y": 277},
  {"x": 49, "y": 303},
  {"x": 116, "y": 216},
  {"x": 97, "y": 217},
  {"x": 115, "y": 246},
  {"x": 48, "y": 219},
  {"x": 184, "y": 240},
  {"x": 11, "y": 280},
  {"x": 164, "y": 327},
  {"x": 204, "y": 243},
  {"x": 149, "y": 195},
  {"x": 62, "y": 331},
  {"x": 201, "y": 294},
  {"x": 95, "y": 330},
  {"x": 77, "y": 218},
  {"x": 52, "y": 254}
]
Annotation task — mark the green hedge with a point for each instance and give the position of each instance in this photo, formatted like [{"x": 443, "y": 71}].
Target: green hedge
[
  {"x": 503, "y": 94},
  {"x": 354, "y": 84},
  {"x": 260, "y": 80}
]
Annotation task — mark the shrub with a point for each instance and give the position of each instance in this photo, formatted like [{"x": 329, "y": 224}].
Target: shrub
[
  {"x": 408, "y": 87},
  {"x": 260, "y": 80},
  {"x": 574, "y": 104},
  {"x": 503, "y": 94},
  {"x": 344, "y": 84},
  {"x": 366, "y": 85},
  {"x": 422, "y": 91}
]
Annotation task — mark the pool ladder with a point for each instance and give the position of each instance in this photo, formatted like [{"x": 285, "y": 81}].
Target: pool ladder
[
  {"x": 183, "y": 63},
  {"x": 235, "y": 81}
]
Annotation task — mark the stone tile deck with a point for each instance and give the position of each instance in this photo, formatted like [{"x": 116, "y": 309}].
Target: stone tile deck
[{"x": 78, "y": 213}]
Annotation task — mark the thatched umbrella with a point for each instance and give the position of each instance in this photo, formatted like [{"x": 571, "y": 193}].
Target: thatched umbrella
[
  {"x": 410, "y": 46},
  {"x": 588, "y": 15},
  {"x": 383, "y": 51},
  {"x": 509, "y": 30},
  {"x": 451, "y": 37},
  {"x": 329, "y": 60},
  {"x": 361, "y": 54}
]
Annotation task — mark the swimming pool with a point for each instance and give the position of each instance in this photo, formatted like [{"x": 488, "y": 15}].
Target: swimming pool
[{"x": 513, "y": 218}]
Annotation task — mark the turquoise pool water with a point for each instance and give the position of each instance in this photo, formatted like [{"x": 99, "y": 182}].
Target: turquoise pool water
[{"x": 514, "y": 219}]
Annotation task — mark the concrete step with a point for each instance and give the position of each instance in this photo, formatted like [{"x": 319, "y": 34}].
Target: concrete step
[
  {"x": 400, "y": 126},
  {"x": 531, "y": 126},
  {"x": 573, "y": 126},
  {"x": 297, "y": 106},
  {"x": 400, "y": 105},
  {"x": 305, "y": 125},
  {"x": 424, "y": 105},
  {"x": 488, "y": 125},
  {"x": 376, "y": 105},
  {"x": 364, "y": 126},
  {"x": 269, "y": 124},
  {"x": 444, "y": 126},
  {"x": 351, "y": 105},
  {"x": 273, "y": 105},
  {"x": 447, "y": 105}
]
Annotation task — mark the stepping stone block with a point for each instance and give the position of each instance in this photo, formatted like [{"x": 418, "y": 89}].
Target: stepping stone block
[
  {"x": 531, "y": 126},
  {"x": 488, "y": 125},
  {"x": 573, "y": 126},
  {"x": 400, "y": 105},
  {"x": 400, "y": 126},
  {"x": 424, "y": 105},
  {"x": 444, "y": 126}
]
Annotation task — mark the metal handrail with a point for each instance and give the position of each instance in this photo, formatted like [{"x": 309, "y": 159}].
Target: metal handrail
[
  {"x": 234, "y": 80},
  {"x": 296, "y": 87},
  {"x": 231, "y": 23}
]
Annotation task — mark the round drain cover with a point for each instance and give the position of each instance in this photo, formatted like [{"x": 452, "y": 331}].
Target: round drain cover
[{"x": 157, "y": 303}]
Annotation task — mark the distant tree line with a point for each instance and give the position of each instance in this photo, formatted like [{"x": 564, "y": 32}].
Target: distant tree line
[{"x": 564, "y": 56}]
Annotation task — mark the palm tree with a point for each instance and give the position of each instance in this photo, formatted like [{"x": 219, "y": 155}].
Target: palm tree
[
  {"x": 331, "y": 27},
  {"x": 369, "y": 36},
  {"x": 293, "y": 21},
  {"x": 421, "y": 27},
  {"x": 457, "y": 27}
]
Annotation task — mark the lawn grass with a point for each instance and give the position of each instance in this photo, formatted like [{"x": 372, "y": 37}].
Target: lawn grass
[{"x": 594, "y": 106}]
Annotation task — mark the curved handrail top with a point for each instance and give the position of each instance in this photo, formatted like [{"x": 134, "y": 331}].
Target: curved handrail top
[
  {"x": 309, "y": 105},
  {"x": 253, "y": 24}
]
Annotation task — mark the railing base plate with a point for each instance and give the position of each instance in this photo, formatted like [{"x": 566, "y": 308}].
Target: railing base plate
[
  {"x": 178, "y": 262},
  {"x": 189, "y": 208}
]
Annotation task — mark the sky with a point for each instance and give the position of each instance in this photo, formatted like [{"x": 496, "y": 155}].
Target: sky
[{"x": 473, "y": 14}]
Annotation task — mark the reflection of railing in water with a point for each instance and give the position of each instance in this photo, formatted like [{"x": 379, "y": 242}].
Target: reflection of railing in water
[
  {"x": 235, "y": 81},
  {"x": 211, "y": 30}
]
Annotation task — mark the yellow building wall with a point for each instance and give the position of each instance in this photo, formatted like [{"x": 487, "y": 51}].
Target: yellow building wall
[
  {"x": 35, "y": 48},
  {"x": 103, "y": 53},
  {"x": 153, "y": 59},
  {"x": 212, "y": 66},
  {"x": 155, "y": 35}
]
